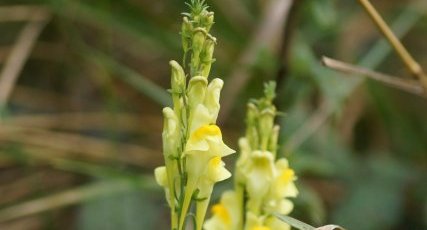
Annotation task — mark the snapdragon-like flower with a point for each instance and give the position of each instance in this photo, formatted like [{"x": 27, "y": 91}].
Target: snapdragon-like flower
[
  {"x": 192, "y": 143},
  {"x": 263, "y": 185},
  {"x": 225, "y": 214}
]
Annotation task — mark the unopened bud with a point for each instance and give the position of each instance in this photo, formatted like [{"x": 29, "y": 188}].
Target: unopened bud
[
  {"x": 196, "y": 91},
  {"x": 266, "y": 122},
  {"x": 251, "y": 124},
  {"x": 186, "y": 33},
  {"x": 206, "y": 55},
  {"x": 212, "y": 97},
  {"x": 209, "y": 21},
  {"x": 177, "y": 85},
  {"x": 274, "y": 140},
  {"x": 171, "y": 132},
  {"x": 198, "y": 41},
  {"x": 177, "y": 77}
]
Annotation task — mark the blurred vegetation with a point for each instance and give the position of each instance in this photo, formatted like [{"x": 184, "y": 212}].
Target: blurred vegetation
[{"x": 80, "y": 133}]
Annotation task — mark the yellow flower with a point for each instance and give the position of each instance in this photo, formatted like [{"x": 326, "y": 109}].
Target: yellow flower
[
  {"x": 259, "y": 172},
  {"x": 204, "y": 148},
  {"x": 226, "y": 214},
  {"x": 283, "y": 184},
  {"x": 204, "y": 144},
  {"x": 204, "y": 101},
  {"x": 215, "y": 172}
]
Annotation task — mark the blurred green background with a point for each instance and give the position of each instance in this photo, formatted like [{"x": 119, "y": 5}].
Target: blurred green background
[{"x": 80, "y": 132}]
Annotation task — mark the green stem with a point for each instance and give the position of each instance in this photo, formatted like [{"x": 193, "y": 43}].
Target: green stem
[{"x": 189, "y": 189}]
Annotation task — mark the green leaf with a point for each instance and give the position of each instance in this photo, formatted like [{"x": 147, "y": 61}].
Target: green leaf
[{"x": 294, "y": 222}]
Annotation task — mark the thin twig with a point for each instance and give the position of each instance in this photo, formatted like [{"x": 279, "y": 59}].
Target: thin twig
[
  {"x": 267, "y": 31},
  {"x": 405, "y": 21},
  {"x": 19, "y": 55},
  {"x": 42, "y": 50},
  {"x": 410, "y": 86},
  {"x": 403, "y": 53}
]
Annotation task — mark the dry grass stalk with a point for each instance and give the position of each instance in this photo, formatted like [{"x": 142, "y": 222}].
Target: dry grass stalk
[
  {"x": 77, "y": 145},
  {"x": 19, "y": 54},
  {"x": 406, "y": 85},
  {"x": 403, "y": 53},
  {"x": 66, "y": 198},
  {"x": 23, "y": 13}
]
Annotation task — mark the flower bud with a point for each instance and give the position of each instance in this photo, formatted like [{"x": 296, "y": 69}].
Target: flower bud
[
  {"x": 209, "y": 21},
  {"x": 212, "y": 97},
  {"x": 251, "y": 124},
  {"x": 177, "y": 77},
  {"x": 206, "y": 55},
  {"x": 266, "y": 122},
  {"x": 274, "y": 139},
  {"x": 171, "y": 134},
  {"x": 199, "y": 38},
  {"x": 196, "y": 91},
  {"x": 186, "y": 33},
  {"x": 177, "y": 85},
  {"x": 160, "y": 174}
]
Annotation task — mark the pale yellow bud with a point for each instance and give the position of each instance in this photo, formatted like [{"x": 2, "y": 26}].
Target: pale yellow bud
[
  {"x": 206, "y": 55},
  {"x": 266, "y": 122},
  {"x": 196, "y": 91},
  {"x": 209, "y": 21},
  {"x": 186, "y": 33},
  {"x": 212, "y": 97},
  {"x": 177, "y": 77},
  {"x": 177, "y": 86},
  {"x": 274, "y": 139},
  {"x": 161, "y": 177},
  {"x": 198, "y": 41},
  {"x": 160, "y": 174},
  {"x": 171, "y": 134},
  {"x": 251, "y": 124}
]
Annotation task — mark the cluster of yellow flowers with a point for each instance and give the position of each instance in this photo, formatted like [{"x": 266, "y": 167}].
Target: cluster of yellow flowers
[
  {"x": 262, "y": 184},
  {"x": 192, "y": 143},
  {"x": 193, "y": 147}
]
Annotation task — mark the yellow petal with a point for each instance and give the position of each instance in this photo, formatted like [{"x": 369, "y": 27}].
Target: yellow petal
[
  {"x": 226, "y": 214},
  {"x": 196, "y": 91},
  {"x": 161, "y": 176},
  {"x": 217, "y": 171},
  {"x": 260, "y": 228},
  {"x": 220, "y": 211},
  {"x": 199, "y": 116},
  {"x": 212, "y": 97}
]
